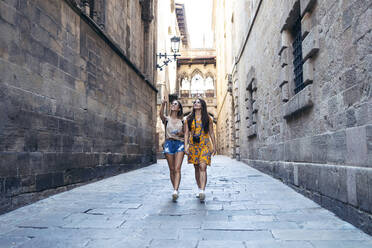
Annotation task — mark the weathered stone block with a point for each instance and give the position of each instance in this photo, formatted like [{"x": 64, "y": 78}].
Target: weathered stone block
[
  {"x": 308, "y": 176},
  {"x": 369, "y": 144},
  {"x": 246, "y": 96},
  {"x": 254, "y": 85},
  {"x": 307, "y": 6},
  {"x": 254, "y": 95},
  {"x": 7, "y": 14},
  {"x": 295, "y": 175},
  {"x": 304, "y": 152},
  {"x": 251, "y": 76},
  {"x": 255, "y": 107},
  {"x": 285, "y": 73},
  {"x": 252, "y": 131},
  {"x": 237, "y": 118},
  {"x": 337, "y": 147},
  {"x": 12, "y": 185},
  {"x": 308, "y": 72},
  {"x": 319, "y": 148},
  {"x": 333, "y": 181},
  {"x": 310, "y": 45},
  {"x": 249, "y": 120},
  {"x": 254, "y": 118},
  {"x": 284, "y": 171},
  {"x": 356, "y": 142},
  {"x": 289, "y": 14},
  {"x": 285, "y": 57},
  {"x": 306, "y": 25},
  {"x": 363, "y": 187},
  {"x": 44, "y": 181},
  {"x": 362, "y": 114},
  {"x": 285, "y": 92},
  {"x": 305, "y": 98},
  {"x": 285, "y": 41},
  {"x": 351, "y": 186},
  {"x": 351, "y": 95},
  {"x": 8, "y": 164},
  {"x": 350, "y": 117},
  {"x": 298, "y": 102}
]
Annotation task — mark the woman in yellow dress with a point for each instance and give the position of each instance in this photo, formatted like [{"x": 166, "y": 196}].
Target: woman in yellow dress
[{"x": 198, "y": 136}]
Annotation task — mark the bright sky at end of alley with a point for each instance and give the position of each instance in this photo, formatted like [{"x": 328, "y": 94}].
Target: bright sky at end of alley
[{"x": 199, "y": 22}]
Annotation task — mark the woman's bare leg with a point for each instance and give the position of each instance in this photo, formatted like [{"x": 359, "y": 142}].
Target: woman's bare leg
[
  {"x": 197, "y": 175},
  {"x": 203, "y": 175},
  {"x": 177, "y": 169},
  {"x": 171, "y": 160}
]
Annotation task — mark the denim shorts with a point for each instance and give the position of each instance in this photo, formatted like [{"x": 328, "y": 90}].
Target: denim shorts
[{"x": 173, "y": 146}]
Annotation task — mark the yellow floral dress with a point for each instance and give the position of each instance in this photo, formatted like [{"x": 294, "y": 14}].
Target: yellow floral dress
[{"x": 202, "y": 151}]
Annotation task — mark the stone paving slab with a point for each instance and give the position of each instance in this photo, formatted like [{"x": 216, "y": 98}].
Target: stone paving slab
[{"x": 244, "y": 208}]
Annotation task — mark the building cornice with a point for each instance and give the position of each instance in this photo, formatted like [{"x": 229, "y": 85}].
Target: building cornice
[{"x": 197, "y": 60}]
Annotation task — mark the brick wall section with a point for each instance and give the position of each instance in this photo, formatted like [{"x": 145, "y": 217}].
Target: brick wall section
[{"x": 71, "y": 109}]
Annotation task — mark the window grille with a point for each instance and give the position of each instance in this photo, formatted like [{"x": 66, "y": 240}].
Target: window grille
[{"x": 297, "y": 56}]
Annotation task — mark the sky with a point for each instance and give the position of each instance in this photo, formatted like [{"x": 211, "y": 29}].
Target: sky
[{"x": 199, "y": 22}]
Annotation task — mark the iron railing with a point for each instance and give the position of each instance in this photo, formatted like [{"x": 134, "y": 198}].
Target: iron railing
[{"x": 297, "y": 57}]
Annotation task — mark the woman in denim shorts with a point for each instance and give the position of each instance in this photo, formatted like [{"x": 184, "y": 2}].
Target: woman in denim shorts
[{"x": 174, "y": 148}]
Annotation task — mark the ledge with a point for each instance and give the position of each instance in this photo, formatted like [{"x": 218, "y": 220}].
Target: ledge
[{"x": 299, "y": 102}]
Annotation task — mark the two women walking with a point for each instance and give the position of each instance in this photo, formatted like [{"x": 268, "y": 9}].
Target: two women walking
[{"x": 192, "y": 135}]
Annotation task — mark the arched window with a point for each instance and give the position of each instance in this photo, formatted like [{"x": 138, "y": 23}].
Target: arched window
[
  {"x": 185, "y": 87},
  {"x": 209, "y": 84},
  {"x": 197, "y": 86},
  {"x": 185, "y": 84},
  {"x": 209, "y": 87}
]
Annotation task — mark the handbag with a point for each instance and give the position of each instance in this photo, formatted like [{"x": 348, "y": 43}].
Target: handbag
[{"x": 196, "y": 138}]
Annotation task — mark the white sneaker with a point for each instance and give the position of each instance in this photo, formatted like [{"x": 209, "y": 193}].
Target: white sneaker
[
  {"x": 175, "y": 195},
  {"x": 197, "y": 194},
  {"x": 201, "y": 196}
]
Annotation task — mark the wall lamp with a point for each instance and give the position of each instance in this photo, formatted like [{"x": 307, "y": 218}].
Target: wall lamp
[{"x": 167, "y": 58}]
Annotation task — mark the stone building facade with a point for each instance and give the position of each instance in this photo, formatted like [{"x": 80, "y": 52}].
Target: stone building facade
[
  {"x": 77, "y": 94},
  {"x": 196, "y": 77},
  {"x": 224, "y": 61},
  {"x": 299, "y": 73}
]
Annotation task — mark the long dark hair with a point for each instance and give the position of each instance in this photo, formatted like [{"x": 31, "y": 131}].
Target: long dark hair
[
  {"x": 204, "y": 118},
  {"x": 180, "y": 110}
]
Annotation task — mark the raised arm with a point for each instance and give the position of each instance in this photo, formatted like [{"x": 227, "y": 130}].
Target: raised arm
[
  {"x": 213, "y": 138},
  {"x": 186, "y": 127},
  {"x": 161, "y": 113}
]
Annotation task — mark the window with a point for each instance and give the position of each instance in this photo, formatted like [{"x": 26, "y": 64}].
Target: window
[
  {"x": 251, "y": 103},
  {"x": 209, "y": 87},
  {"x": 95, "y": 9},
  {"x": 185, "y": 87},
  {"x": 197, "y": 83},
  {"x": 297, "y": 56}
]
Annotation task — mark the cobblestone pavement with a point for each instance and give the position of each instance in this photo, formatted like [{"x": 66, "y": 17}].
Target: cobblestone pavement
[{"x": 243, "y": 208}]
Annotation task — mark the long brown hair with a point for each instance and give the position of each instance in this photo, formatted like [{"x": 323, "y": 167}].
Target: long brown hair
[{"x": 204, "y": 118}]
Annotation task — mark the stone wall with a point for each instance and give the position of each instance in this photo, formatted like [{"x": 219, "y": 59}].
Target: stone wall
[
  {"x": 76, "y": 100},
  {"x": 318, "y": 140},
  {"x": 223, "y": 28}
]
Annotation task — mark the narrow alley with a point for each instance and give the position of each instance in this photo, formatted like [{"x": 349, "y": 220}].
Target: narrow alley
[
  {"x": 244, "y": 208},
  {"x": 95, "y": 94}
]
